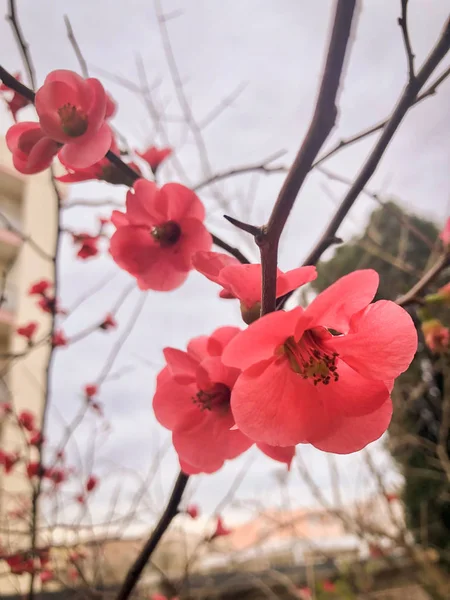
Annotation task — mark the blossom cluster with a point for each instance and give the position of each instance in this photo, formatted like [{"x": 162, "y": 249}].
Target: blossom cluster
[{"x": 320, "y": 375}]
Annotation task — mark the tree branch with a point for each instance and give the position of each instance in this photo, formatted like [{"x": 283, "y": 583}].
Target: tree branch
[
  {"x": 170, "y": 512},
  {"x": 26, "y": 57},
  {"x": 403, "y": 22},
  {"x": 322, "y": 123},
  {"x": 411, "y": 296},
  {"x": 230, "y": 249},
  {"x": 406, "y": 100}
]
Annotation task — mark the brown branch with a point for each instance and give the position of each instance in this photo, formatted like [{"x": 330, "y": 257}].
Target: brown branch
[
  {"x": 379, "y": 126},
  {"x": 24, "y": 48},
  {"x": 403, "y": 22},
  {"x": 321, "y": 125},
  {"x": 230, "y": 249},
  {"x": 169, "y": 513},
  {"x": 412, "y": 295},
  {"x": 404, "y": 103}
]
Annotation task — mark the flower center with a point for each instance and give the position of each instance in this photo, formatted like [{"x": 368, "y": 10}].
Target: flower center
[
  {"x": 216, "y": 398},
  {"x": 74, "y": 122},
  {"x": 167, "y": 234},
  {"x": 307, "y": 358}
]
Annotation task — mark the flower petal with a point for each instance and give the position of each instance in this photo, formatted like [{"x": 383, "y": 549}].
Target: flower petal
[
  {"x": 279, "y": 453},
  {"x": 353, "y": 434},
  {"x": 194, "y": 237},
  {"x": 335, "y": 306},
  {"x": 352, "y": 395},
  {"x": 139, "y": 203},
  {"x": 81, "y": 153},
  {"x": 220, "y": 338},
  {"x": 210, "y": 264},
  {"x": 181, "y": 202},
  {"x": 244, "y": 282},
  {"x": 182, "y": 366},
  {"x": 272, "y": 404},
  {"x": 381, "y": 343},
  {"x": 287, "y": 282},
  {"x": 97, "y": 104},
  {"x": 209, "y": 441},
  {"x": 261, "y": 339},
  {"x": 173, "y": 402}
]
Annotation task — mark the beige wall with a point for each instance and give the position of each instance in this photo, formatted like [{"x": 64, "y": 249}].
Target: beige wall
[{"x": 30, "y": 204}]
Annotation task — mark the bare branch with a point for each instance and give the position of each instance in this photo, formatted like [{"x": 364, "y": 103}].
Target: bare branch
[
  {"x": 21, "y": 42},
  {"x": 413, "y": 294},
  {"x": 404, "y": 103},
  {"x": 76, "y": 48},
  {"x": 230, "y": 249},
  {"x": 222, "y": 106},
  {"x": 322, "y": 123},
  {"x": 169, "y": 513},
  {"x": 403, "y": 22}
]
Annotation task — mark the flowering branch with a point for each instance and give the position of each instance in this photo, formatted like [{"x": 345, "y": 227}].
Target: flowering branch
[
  {"x": 322, "y": 123},
  {"x": 404, "y": 103},
  {"x": 169, "y": 513}
]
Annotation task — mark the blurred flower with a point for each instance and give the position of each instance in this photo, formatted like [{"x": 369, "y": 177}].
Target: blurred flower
[
  {"x": 220, "y": 529},
  {"x": 88, "y": 245},
  {"x": 40, "y": 287},
  {"x": 59, "y": 339},
  {"x": 154, "y": 156},
  {"x": 108, "y": 323},
  {"x": 32, "y": 151},
  {"x": 16, "y": 101},
  {"x": 193, "y": 511},
  {"x": 26, "y": 420},
  {"x": 28, "y": 331},
  {"x": 90, "y": 390},
  {"x": 91, "y": 483},
  {"x": 445, "y": 233},
  {"x": 436, "y": 335}
]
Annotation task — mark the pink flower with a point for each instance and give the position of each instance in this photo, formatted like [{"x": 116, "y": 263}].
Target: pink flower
[
  {"x": 220, "y": 530},
  {"x": 28, "y": 331},
  {"x": 155, "y": 156},
  {"x": 304, "y": 593},
  {"x": 26, "y": 420},
  {"x": 193, "y": 511},
  {"x": 90, "y": 390},
  {"x": 328, "y": 586},
  {"x": 445, "y": 233},
  {"x": 111, "y": 107},
  {"x": 8, "y": 460},
  {"x": 50, "y": 305},
  {"x": 32, "y": 469},
  {"x": 36, "y": 439},
  {"x": 59, "y": 339},
  {"x": 244, "y": 281},
  {"x": 40, "y": 287},
  {"x": 80, "y": 498},
  {"x": 158, "y": 234},
  {"x": 437, "y": 336},
  {"x": 192, "y": 400},
  {"x": 56, "y": 475},
  {"x": 16, "y": 101},
  {"x": 20, "y": 563},
  {"x": 46, "y": 575},
  {"x": 91, "y": 483},
  {"x": 108, "y": 323},
  {"x": 322, "y": 375},
  {"x": 72, "y": 112},
  {"x": 88, "y": 245},
  {"x": 32, "y": 151}
]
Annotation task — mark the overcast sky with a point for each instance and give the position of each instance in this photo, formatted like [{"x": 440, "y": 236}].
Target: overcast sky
[{"x": 275, "y": 48}]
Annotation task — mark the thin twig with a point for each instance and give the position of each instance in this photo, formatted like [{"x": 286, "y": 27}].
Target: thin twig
[
  {"x": 169, "y": 513},
  {"x": 404, "y": 103},
  {"x": 230, "y": 249},
  {"x": 76, "y": 48},
  {"x": 413, "y": 294},
  {"x": 24, "y": 48},
  {"x": 403, "y": 22},
  {"x": 322, "y": 123}
]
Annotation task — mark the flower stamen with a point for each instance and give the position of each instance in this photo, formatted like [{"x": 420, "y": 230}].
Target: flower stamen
[
  {"x": 74, "y": 122},
  {"x": 307, "y": 358},
  {"x": 167, "y": 234}
]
